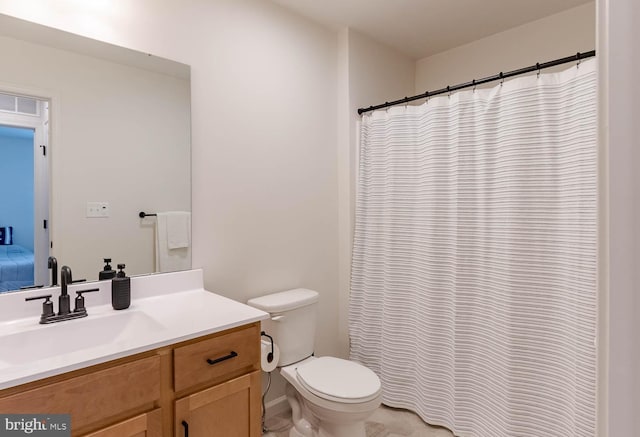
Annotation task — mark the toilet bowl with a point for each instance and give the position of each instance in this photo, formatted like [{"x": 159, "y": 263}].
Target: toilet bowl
[
  {"x": 329, "y": 397},
  {"x": 334, "y": 397}
]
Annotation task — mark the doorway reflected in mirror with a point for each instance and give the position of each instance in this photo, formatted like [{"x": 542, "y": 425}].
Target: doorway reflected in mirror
[{"x": 24, "y": 191}]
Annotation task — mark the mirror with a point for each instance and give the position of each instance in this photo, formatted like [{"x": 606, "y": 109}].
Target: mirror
[{"x": 115, "y": 139}]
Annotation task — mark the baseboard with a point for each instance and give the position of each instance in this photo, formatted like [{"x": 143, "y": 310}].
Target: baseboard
[{"x": 276, "y": 406}]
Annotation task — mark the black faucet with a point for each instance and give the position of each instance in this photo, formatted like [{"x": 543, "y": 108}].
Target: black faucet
[
  {"x": 64, "y": 302},
  {"x": 64, "y": 305},
  {"x": 52, "y": 263}
]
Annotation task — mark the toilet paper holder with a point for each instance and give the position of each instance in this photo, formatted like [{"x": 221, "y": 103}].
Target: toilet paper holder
[{"x": 270, "y": 354}]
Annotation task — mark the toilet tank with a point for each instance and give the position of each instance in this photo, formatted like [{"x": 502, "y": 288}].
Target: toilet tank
[{"x": 292, "y": 324}]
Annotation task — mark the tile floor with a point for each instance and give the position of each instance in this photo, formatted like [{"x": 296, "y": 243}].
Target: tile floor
[{"x": 385, "y": 422}]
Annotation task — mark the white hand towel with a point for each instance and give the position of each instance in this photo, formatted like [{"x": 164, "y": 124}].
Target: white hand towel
[
  {"x": 178, "y": 229},
  {"x": 168, "y": 259}
]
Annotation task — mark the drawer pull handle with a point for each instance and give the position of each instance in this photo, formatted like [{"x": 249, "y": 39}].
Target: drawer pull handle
[
  {"x": 232, "y": 354},
  {"x": 186, "y": 428}
]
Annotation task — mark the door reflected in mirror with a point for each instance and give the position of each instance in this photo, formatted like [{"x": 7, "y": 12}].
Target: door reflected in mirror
[
  {"x": 24, "y": 190},
  {"x": 117, "y": 141}
]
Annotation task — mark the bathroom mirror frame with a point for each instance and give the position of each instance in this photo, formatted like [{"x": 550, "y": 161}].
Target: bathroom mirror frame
[{"x": 83, "y": 243}]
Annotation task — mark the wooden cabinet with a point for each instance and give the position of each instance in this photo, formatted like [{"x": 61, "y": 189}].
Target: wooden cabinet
[
  {"x": 230, "y": 409},
  {"x": 97, "y": 397},
  {"x": 216, "y": 359},
  {"x": 212, "y": 383}
]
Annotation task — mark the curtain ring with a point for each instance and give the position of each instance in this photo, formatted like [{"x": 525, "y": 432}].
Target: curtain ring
[
  {"x": 406, "y": 102},
  {"x": 538, "y": 67},
  {"x": 501, "y": 78},
  {"x": 578, "y": 59},
  {"x": 474, "y": 85},
  {"x": 448, "y": 91},
  {"x": 426, "y": 96}
]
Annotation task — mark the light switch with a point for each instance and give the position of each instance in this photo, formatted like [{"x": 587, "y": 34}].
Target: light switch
[{"x": 97, "y": 209}]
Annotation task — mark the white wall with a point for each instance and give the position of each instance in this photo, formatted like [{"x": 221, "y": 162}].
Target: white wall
[
  {"x": 109, "y": 120},
  {"x": 549, "y": 38},
  {"x": 371, "y": 73},
  {"x": 264, "y": 99},
  {"x": 618, "y": 24}
]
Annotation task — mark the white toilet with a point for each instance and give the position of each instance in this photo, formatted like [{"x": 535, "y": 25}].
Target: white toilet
[{"x": 329, "y": 397}]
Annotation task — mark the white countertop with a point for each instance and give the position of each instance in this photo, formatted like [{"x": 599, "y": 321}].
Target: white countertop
[{"x": 30, "y": 351}]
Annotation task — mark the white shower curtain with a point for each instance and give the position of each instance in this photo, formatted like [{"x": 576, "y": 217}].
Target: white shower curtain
[{"x": 473, "y": 292}]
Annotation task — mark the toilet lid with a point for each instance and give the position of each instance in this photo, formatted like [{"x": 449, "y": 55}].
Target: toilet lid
[{"x": 329, "y": 377}]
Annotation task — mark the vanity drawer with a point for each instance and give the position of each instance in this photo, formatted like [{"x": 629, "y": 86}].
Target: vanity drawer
[
  {"x": 93, "y": 397},
  {"x": 229, "y": 354}
]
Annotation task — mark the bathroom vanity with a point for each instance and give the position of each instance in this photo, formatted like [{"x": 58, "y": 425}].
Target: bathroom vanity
[{"x": 176, "y": 363}]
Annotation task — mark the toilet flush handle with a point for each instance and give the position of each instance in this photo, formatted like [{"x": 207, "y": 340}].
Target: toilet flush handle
[{"x": 277, "y": 318}]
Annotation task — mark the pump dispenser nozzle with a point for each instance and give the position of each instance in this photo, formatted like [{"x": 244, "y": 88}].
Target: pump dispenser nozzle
[{"x": 107, "y": 272}]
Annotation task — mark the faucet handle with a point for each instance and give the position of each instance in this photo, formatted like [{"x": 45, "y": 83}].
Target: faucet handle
[
  {"x": 47, "y": 306},
  {"x": 80, "y": 300},
  {"x": 52, "y": 264},
  {"x": 48, "y": 296}
]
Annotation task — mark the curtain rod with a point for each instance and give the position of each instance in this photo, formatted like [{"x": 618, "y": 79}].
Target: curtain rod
[{"x": 500, "y": 76}]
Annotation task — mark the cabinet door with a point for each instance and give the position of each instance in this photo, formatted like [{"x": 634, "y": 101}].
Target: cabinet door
[
  {"x": 230, "y": 409},
  {"x": 144, "y": 425}
]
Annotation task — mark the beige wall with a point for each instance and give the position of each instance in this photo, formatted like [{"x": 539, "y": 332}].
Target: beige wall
[
  {"x": 553, "y": 37},
  {"x": 109, "y": 122}
]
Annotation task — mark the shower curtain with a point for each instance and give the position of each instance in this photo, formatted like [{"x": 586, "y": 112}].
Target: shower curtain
[{"x": 473, "y": 290}]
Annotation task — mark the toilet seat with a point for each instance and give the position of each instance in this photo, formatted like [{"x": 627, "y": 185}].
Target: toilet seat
[{"x": 339, "y": 380}]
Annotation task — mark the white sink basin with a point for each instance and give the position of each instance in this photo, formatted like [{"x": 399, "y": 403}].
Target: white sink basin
[
  {"x": 166, "y": 309},
  {"x": 48, "y": 341}
]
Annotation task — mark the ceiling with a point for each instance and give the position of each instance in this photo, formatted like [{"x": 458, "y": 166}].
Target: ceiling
[{"x": 421, "y": 28}]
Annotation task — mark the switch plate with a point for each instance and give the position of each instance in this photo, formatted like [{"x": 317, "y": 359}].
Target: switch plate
[{"x": 97, "y": 209}]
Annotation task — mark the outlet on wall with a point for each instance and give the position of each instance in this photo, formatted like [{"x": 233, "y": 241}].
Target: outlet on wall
[{"x": 97, "y": 209}]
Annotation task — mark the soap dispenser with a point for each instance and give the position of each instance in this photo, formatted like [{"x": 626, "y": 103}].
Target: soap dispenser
[
  {"x": 107, "y": 272},
  {"x": 121, "y": 290}
]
